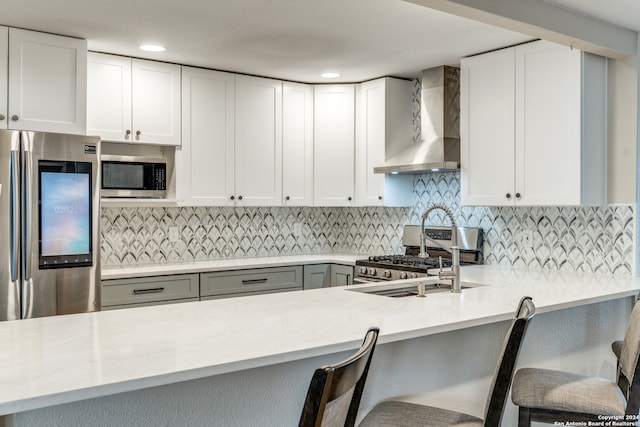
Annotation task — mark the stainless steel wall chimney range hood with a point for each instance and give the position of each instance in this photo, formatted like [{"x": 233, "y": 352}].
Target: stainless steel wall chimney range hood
[{"x": 439, "y": 148}]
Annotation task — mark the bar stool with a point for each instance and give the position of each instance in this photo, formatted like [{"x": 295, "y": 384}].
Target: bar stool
[
  {"x": 546, "y": 395},
  {"x": 335, "y": 391},
  {"x": 405, "y": 414}
]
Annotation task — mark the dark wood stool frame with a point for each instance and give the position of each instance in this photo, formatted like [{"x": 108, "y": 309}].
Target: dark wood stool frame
[{"x": 331, "y": 382}]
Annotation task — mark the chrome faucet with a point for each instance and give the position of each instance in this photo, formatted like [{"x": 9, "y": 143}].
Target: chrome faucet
[{"x": 454, "y": 274}]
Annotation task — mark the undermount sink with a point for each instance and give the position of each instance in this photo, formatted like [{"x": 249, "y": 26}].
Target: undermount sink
[{"x": 399, "y": 290}]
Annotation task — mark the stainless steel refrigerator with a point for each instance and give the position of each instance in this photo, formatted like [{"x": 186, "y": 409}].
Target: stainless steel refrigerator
[{"x": 49, "y": 224}]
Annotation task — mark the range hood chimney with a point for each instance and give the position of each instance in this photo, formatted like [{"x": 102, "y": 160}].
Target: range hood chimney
[{"x": 439, "y": 148}]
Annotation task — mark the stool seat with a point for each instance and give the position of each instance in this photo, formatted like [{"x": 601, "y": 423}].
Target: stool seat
[
  {"x": 564, "y": 391},
  {"x": 549, "y": 396},
  {"x": 405, "y": 414}
]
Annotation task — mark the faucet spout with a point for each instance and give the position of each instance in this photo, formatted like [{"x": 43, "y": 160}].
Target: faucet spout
[{"x": 454, "y": 275}]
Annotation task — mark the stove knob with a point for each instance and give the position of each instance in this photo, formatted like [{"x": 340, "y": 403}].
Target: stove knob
[
  {"x": 414, "y": 276},
  {"x": 403, "y": 275},
  {"x": 386, "y": 274},
  {"x": 363, "y": 270},
  {"x": 372, "y": 272}
]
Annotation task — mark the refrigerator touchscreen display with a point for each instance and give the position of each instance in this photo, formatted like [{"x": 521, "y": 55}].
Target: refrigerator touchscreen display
[{"x": 64, "y": 214}]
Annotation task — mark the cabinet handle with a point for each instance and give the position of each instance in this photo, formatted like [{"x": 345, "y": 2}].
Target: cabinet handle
[
  {"x": 379, "y": 197},
  {"x": 239, "y": 197},
  {"x": 233, "y": 197},
  {"x": 349, "y": 198},
  {"x": 148, "y": 291},
  {"x": 287, "y": 198},
  {"x": 2, "y": 117},
  {"x": 517, "y": 195},
  {"x": 254, "y": 281},
  {"x": 15, "y": 117},
  {"x": 128, "y": 132},
  {"x": 508, "y": 195},
  {"x": 138, "y": 133}
]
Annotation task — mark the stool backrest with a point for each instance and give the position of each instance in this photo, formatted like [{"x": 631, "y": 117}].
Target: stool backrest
[
  {"x": 629, "y": 357},
  {"x": 335, "y": 391},
  {"x": 506, "y": 363}
]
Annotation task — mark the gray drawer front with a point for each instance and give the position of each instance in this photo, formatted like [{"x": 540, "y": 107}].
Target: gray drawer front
[
  {"x": 246, "y": 294},
  {"x": 254, "y": 280},
  {"x": 148, "y": 304},
  {"x": 149, "y": 289}
]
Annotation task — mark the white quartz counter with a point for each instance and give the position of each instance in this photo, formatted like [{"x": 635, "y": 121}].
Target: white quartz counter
[
  {"x": 137, "y": 270},
  {"x": 50, "y": 361}
]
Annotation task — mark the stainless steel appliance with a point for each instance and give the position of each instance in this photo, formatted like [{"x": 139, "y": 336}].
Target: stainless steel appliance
[
  {"x": 49, "y": 224},
  {"x": 134, "y": 176},
  {"x": 439, "y": 147},
  {"x": 410, "y": 265}
]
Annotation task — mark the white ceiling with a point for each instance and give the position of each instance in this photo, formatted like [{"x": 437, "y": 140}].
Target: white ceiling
[{"x": 287, "y": 39}]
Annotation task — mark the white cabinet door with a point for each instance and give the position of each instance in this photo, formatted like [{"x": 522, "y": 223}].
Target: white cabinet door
[
  {"x": 258, "y": 141},
  {"x": 533, "y": 123},
  {"x": 155, "y": 102},
  {"x": 47, "y": 82},
  {"x": 548, "y": 147},
  {"x": 206, "y": 159},
  {"x": 487, "y": 129},
  {"x": 4, "y": 76},
  {"x": 297, "y": 144},
  {"x": 109, "y": 97},
  {"x": 334, "y": 141},
  {"x": 370, "y": 142},
  {"x": 383, "y": 119}
]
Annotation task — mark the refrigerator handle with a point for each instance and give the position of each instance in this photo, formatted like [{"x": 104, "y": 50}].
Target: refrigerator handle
[
  {"x": 14, "y": 220},
  {"x": 27, "y": 214}
]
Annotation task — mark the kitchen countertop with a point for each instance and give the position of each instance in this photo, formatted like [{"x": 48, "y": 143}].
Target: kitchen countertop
[
  {"x": 156, "y": 269},
  {"x": 55, "y": 360}
]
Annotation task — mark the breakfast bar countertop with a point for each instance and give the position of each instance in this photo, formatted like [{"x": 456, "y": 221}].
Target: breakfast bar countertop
[{"x": 55, "y": 360}]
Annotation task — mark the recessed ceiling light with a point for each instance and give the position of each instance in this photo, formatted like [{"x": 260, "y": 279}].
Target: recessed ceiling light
[
  {"x": 152, "y": 48},
  {"x": 330, "y": 75}
]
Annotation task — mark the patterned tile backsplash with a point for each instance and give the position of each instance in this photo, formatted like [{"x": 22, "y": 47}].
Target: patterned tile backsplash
[
  {"x": 572, "y": 239},
  {"x": 598, "y": 239}
]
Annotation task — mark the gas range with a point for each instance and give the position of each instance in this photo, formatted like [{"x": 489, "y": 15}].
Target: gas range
[{"x": 409, "y": 265}]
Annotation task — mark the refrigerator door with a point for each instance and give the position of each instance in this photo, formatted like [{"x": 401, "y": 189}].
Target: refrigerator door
[
  {"x": 60, "y": 222},
  {"x": 9, "y": 225}
]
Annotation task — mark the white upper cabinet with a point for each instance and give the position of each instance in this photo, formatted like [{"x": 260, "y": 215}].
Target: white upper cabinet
[
  {"x": 533, "y": 123},
  {"x": 258, "y": 144},
  {"x": 133, "y": 100},
  {"x": 205, "y": 162},
  {"x": 383, "y": 119},
  {"x": 155, "y": 101},
  {"x": 487, "y": 128},
  {"x": 297, "y": 144},
  {"x": 232, "y": 140},
  {"x": 334, "y": 145},
  {"x": 109, "y": 97},
  {"x": 4, "y": 77},
  {"x": 47, "y": 77}
]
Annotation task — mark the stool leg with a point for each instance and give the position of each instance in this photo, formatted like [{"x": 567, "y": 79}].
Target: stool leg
[{"x": 524, "y": 417}]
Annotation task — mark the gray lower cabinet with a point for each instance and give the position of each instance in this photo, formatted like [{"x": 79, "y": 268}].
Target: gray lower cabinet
[
  {"x": 326, "y": 275},
  {"x": 341, "y": 275},
  {"x": 143, "y": 291},
  {"x": 317, "y": 276},
  {"x": 225, "y": 284}
]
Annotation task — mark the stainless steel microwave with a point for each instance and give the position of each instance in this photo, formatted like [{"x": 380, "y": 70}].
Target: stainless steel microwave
[{"x": 134, "y": 177}]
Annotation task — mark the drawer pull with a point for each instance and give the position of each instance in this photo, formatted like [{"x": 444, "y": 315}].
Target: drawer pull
[
  {"x": 148, "y": 291},
  {"x": 254, "y": 281}
]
